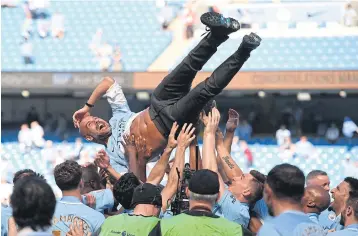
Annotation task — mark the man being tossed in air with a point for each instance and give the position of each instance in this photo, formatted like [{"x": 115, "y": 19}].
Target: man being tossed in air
[{"x": 171, "y": 101}]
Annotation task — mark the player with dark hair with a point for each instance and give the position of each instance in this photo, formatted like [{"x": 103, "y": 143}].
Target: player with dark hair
[
  {"x": 6, "y": 211},
  {"x": 349, "y": 217},
  {"x": 315, "y": 200},
  {"x": 123, "y": 190},
  {"x": 91, "y": 179},
  {"x": 173, "y": 99},
  {"x": 33, "y": 203},
  {"x": 330, "y": 218},
  {"x": 68, "y": 177},
  {"x": 284, "y": 189},
  {"x": 26, "y": 172},
  {"x": 319, "y": 178}
]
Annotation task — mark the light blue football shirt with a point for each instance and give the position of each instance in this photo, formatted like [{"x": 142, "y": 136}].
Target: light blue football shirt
[
  {"x": 70, "y": 208},
  {"x": 350, "y": 230}
]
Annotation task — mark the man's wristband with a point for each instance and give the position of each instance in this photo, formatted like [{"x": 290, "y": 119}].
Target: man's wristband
[{"x": 89, "y": 105}]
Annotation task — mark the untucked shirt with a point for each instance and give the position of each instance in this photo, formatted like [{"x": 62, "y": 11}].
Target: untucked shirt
[
  {"x": 70, "y": 208},
  {"x": 291, "y": 223},
  {"x": 232, "y": 209}
]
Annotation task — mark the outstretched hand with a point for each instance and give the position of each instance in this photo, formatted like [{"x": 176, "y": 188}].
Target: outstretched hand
[
  {"x": 213, "y": 120},
  {"x": 128, "y": 143},
  {"x": 186, "y": 135},
  {"x": 142, "y": 150},
  {"x": 233, "y": 121},
  {"x": 79, "y": 115},
  {"x": 102, "y": 159},
  {"x": 172, "y": 142}
]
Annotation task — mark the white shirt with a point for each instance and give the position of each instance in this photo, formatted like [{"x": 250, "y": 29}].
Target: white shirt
[
  {"x": 332, "y": 133},
  {"x": 349, "y": 16},
  {"x": 26, "y": 49},
  {"x": 281, "y": 135},
  {"x": 304, "y": 148},
  {"x": 25, "y": 137}
]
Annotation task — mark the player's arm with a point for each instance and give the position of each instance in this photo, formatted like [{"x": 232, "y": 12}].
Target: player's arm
[
  {"x": 185, "y": 137},
  {"x": 97, "y": 93},
  {"x": 103, "y": 162},
  {"x": 231, "y": 126},
  {"x": 193, "y": 155},
  {"x": 143, "y": 155},
  {"x": 211, "y": 123},
  {"x": 230, "y": 167},
  {"x": 158, "y": 171}
]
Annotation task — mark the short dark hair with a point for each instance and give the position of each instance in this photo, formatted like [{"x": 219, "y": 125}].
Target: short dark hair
[
  {"x": 26, "y": 172},
  {"x": 33, "y": 203},
  {"x": 353, "y": 202},
  {"x": 68, "y": 175},
  {"x": 91, "y": 179},
  {"x": 353, "y": 183},
  {"x": 287, "y": 182},
  {"x": 315, "y": 173},
  {"x": 124, "y": 188},
  {"x": 258, "y": 175},
  {"x": 257, "y": 189}
]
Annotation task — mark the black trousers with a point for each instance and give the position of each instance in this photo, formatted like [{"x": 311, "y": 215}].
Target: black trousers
[{"x": 173, "y": 100}]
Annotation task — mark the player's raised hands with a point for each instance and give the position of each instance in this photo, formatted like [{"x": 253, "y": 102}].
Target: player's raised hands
[
  {"x": 172, "y": 142},
  {"x": 79, "y": 115},
  {"x": 213, "y": 120},
  {"x": 233, "y": 121},
  {"x": 102, "y": 159},
  {"x": 186, "y": 135},
  {"x": 128, "y": 143},
  {"x": 142, "y": 150}
]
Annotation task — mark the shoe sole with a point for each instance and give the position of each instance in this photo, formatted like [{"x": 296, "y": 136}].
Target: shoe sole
[
  {"x": 255, "y": 37},
  {"x": 215, "y": 20}
]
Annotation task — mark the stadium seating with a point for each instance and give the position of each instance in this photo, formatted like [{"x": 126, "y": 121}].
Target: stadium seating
[
  {"x": 300, "y": 53},
  {"x": 130, "y": 24}
]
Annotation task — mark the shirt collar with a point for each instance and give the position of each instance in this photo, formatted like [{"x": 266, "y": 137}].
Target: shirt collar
[
  {"x": 313, "y": 214},
  {"x": 72, "y": 199},
  {"x": 293, "y": 212},
  {"x": 352, "y": 226}
]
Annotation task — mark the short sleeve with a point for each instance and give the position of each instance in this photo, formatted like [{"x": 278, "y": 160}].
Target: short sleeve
[
  {"x": 116, "y": 99},
  {"x": 99, "y": 221}
]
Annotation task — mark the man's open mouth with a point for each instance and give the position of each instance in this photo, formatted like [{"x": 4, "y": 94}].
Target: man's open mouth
[{"x": 100, "y": 126}]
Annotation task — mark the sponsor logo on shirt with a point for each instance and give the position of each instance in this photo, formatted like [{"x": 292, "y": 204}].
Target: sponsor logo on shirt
[{"x": 124, "y": 233}]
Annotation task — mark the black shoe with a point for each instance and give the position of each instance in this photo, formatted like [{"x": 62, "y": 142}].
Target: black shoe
[
  {"x": 251, "y": 41},
  {"x": 218, "y": 24}
]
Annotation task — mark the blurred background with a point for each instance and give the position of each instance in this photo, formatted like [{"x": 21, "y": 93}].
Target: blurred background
[{"x": 293, "y": 94}]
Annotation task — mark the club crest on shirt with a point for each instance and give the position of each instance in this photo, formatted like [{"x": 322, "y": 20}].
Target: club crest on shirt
[{"x": 332, "y": 216}]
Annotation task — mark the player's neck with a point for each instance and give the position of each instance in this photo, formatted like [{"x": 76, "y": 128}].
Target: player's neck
[
  {"x": 350, "y": 221},
  {"x": 200, "y": 206},
  {"x": 143, "y": 210},
  {"x": 283, "y": 206},
  {"x": 72, "y": 193}
]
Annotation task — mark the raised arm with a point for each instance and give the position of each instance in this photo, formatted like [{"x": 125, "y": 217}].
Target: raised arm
[
  {"x": 231, "y": 126},
  {"x": 102, "y": 161},
  {"x": 97, "y": 93},
  {"x": 193, "y": 155},
  {"x": 130, "y": 152},
  {"x": 158, "y": 171},
  {"x": 230, "y": 167},
  {"x": 185, "y": 137}
]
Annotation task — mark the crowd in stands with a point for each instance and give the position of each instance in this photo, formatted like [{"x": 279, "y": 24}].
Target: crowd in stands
[{"x": 223, "y": 200}]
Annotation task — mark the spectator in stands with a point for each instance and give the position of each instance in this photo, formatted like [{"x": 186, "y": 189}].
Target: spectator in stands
[
  {"x": 146, "y": 203},
  {"x": 315, "y": 200},
  {"x": 105, "y": 53},
  {"x": 33, "y": 203},
  {"x": 48, "y": 155},
  {"x": 165, "y": 15},
  {"x": 304, "y": 148},
  {"x": 203, "y": 192},
  {"x": 330, "y": 218},
  {"x": 281, "y": 134},
  {"x": 249, "y": 157},
  {"x": 61, "y": 129},
  {"x": 96, "y": 41},
  {"x": 189, "y": 19},
  {"x": 349, "y": 217},
  {"x": 284, "y": 189},
  {"x": 349, "y": 127},
  {"x": 37, "y": 133},
  {"x": 68, "y": 177},
  {"x": 332, "y": 133},
  {"x": 350, "y": 16},
  {"x": 32, "y": 115},
  {"x": 117, "y": 64},
  {"x": 10, "y": 3},
  {"x": 6, "y": 211},
  {"x": 27, "y": 51},
  {"x": 318, "y": 178},
  {"x": 25, "y": 137},
  {"x": 244, "y": 131},
  {"x": 58, "y": 25},
  {"x": 28, "y": 22},
  {"x": 350, "y": 167}
]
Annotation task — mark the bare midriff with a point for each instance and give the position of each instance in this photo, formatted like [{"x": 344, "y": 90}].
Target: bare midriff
[{"x": 143, "y": 126}]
